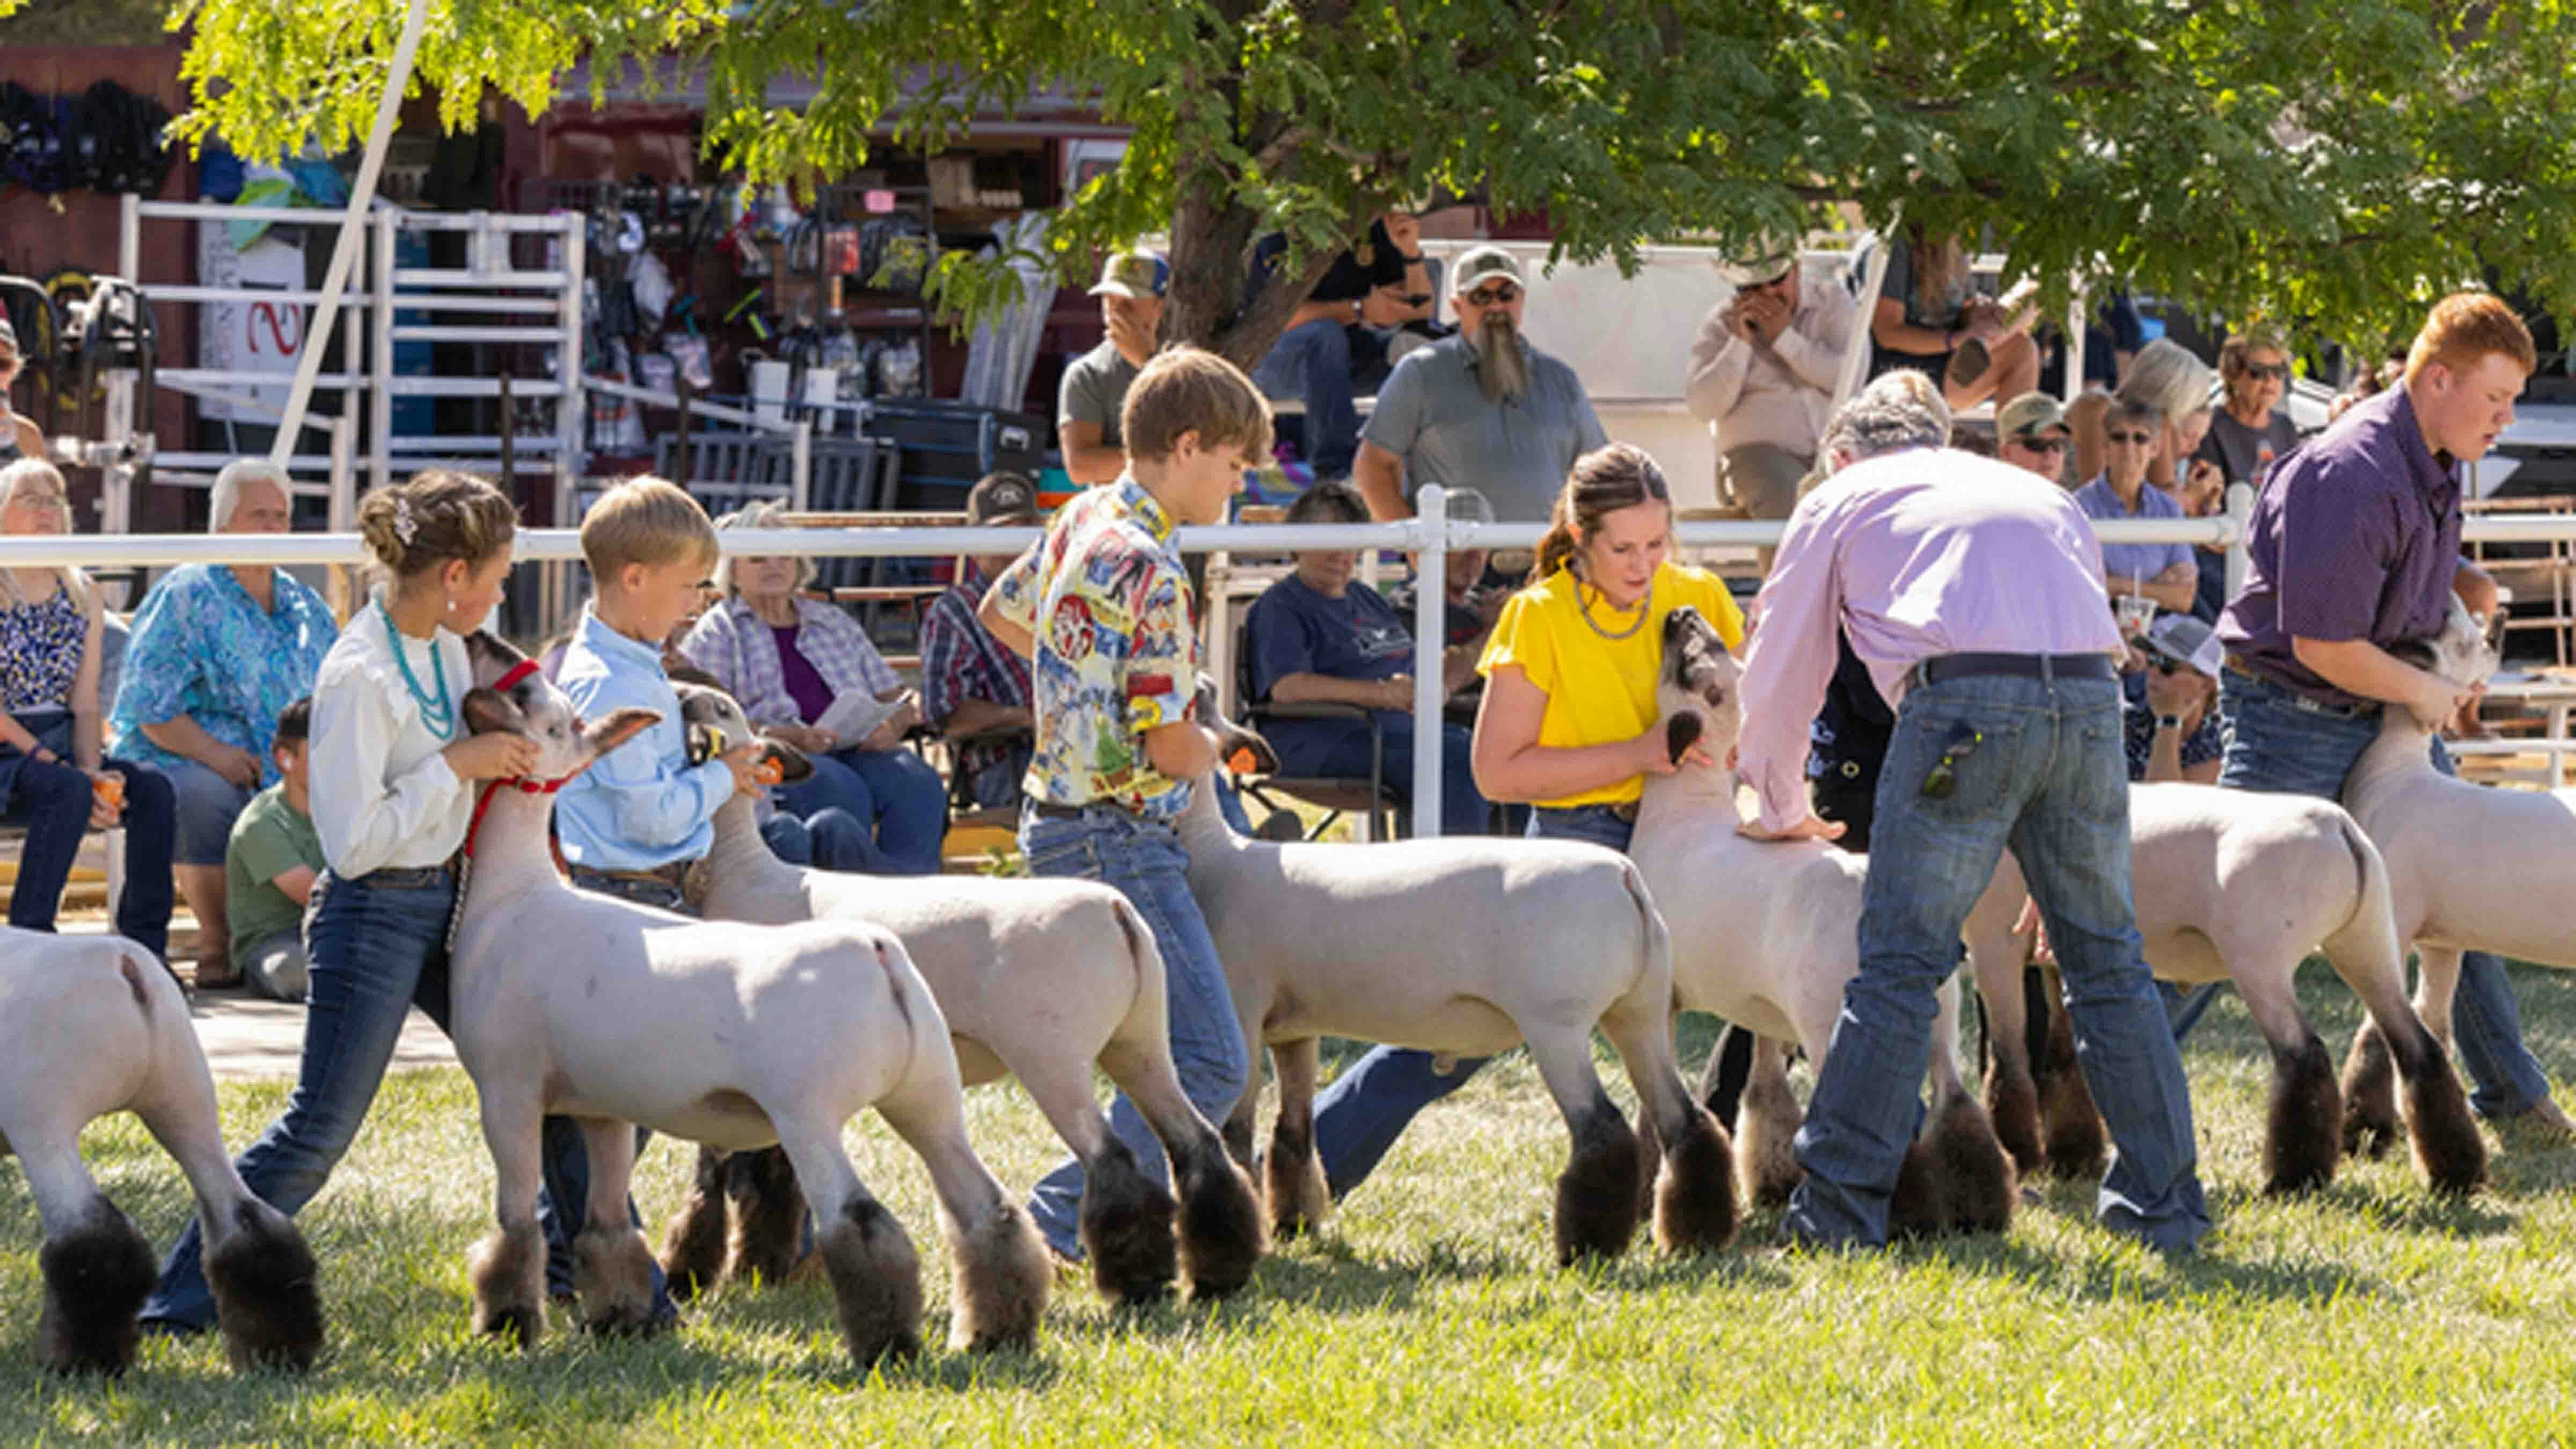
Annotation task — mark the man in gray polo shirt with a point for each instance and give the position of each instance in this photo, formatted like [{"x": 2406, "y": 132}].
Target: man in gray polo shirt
[
  {"x": 1095, "y": 384},
  {"x": 1482, "y": 410}
]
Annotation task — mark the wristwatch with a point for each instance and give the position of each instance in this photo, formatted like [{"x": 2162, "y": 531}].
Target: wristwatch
[
  {"x": 1359, "y": 310},
  {"x": 2168, "y": 721}
]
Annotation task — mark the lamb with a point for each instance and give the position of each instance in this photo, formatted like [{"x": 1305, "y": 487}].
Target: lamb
[
  {"x": 1039, "y": 979},
  {"x": 2238, "y": 886},
  {"x": 736, "y": 1036},
  {"x": 1766, "y": 934},
  {"x": 93, "y": 1025},
  {"x": 1499, "y": 942},
  {"x": 2469, "y": 868}
]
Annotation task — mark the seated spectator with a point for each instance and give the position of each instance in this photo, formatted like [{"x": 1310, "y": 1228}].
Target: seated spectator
[
  {"x": 51, "y": 768},
  {"x": 19, "y": 436},
  {"x": 1313, "y": 636},
  {"x": 1335, "y": 346},
  {"x": 970, "y": 683},
  {"x": 1468, "y": 606},
  {"x": 1483, "y": 409},
  {"x": 1762, "y": 376},
  {"x": 787, "y": 659},
  {"x": 270, "y": 866},
  {"x": 2249, "y": 432},
  {"x": 2171, "y": 717},
  {"x": 2174, "y": 385},
  {"x": 1094, "y": 390},
  {"x": 216, "y": 656},
  {"x": 2163, "y": 572},
  {"x": 2030, "y": 433},
  {"x": 1932, "y": 319}
]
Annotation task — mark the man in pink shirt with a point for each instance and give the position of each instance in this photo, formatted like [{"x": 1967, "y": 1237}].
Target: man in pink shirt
[{"x": 1973, "y": 592}]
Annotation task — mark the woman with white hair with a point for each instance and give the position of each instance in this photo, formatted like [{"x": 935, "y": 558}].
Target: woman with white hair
[
  {"x": 215, "y": 655},
  {"x": 2176, "y": 386},
  {"x": 787, "y": 658},
  {"x": 53, "y": 779}
]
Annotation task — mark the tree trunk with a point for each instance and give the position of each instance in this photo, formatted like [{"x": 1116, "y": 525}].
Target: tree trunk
[{"x": 1212, "y": 243}]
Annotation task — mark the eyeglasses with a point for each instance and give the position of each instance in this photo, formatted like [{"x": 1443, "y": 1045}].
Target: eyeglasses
[
  {"x": 2041, "y": 445},
  {"x": 1504, "y": 294},
  {"x": 2268, "y": 371},
  {"x": 2134, "y": 440}
]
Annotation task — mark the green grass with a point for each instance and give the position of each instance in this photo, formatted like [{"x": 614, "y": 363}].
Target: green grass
[{"x": 1431, "y": 1311}]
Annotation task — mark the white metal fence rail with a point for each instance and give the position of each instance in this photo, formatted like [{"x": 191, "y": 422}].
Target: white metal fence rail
[{"x": 1431, "y": 532}]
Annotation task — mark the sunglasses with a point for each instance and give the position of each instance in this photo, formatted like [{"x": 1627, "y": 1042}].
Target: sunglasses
[
  {"x": 2268, "y": 371},
  {"x": 1504, "y": 294},
  {"x": 2134, "y": 440},
  {"x": 2041, "y": 445}
]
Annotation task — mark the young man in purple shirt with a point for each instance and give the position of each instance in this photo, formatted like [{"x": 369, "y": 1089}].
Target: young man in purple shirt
[{"x": 2355, "y": 545}]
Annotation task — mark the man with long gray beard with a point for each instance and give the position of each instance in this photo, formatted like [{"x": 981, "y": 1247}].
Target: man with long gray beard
[{"x": 1482, "y": 410}]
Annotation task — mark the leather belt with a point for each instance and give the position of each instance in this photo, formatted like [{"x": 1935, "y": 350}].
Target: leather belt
[
  {"x": 1052, "y": 811},
  {"x": 2026, "y": 666},
  {"x": 2295, "y": 699},
  {"x": 671, "y": 875}
]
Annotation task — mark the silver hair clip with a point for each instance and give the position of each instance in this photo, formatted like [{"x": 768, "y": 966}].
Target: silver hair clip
[{"x": 406, "y": 527}]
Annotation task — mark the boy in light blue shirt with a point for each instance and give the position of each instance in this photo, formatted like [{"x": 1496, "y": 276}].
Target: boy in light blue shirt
[{"x": 631, "y": 824}]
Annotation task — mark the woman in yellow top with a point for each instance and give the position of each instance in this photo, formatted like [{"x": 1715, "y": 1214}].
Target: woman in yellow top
[
  {"x": 1569, "y": 712},
  {"x": 1566, "y": 724}
]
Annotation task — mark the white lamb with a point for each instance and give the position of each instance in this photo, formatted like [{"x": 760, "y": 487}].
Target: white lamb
[{"x": 93, "y": 1025}]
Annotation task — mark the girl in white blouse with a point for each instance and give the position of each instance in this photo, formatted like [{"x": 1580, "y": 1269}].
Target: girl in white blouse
[{"x": 392, "y": 762}]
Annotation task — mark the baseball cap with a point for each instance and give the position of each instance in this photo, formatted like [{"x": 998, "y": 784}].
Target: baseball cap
[
  {"x": 1131, "y": 274},
  {"x": 1484, "y": 263},
  {"x": 1003, "y": 498},
  {"x": 2182, "y": 639},
  {"x": 1470, "y": 505},
  {"x": 2032, "y": 412}
]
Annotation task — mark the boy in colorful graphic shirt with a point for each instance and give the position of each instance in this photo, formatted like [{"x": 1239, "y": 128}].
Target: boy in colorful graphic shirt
[{"x": 1102, "y": 608}]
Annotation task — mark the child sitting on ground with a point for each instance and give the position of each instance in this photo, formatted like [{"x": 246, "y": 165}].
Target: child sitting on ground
[{"x": 270, "y": 865}]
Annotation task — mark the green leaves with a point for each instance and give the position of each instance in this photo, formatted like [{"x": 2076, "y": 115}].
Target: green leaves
[{"x": 2325, "y": 166}]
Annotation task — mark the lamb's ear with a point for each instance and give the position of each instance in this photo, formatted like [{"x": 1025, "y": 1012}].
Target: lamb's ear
[
  {"x": 793, "y": 765},
  {"x": 491, "y": 656},
  {"x": 487, "y": 710},
  {"x": 1680, "y": 733},
  {"x": 620, "y": 726}
]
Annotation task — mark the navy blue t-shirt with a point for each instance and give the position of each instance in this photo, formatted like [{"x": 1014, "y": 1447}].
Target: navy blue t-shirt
[{"x": 1294, "y": 630}]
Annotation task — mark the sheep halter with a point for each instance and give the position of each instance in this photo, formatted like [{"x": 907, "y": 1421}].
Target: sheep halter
[{"x": 483, "y": 804}]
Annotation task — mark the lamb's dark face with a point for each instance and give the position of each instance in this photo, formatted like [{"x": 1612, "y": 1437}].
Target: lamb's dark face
[
  {"x": 716, "y": 725},
  {"x": 1697, "y": 697}
]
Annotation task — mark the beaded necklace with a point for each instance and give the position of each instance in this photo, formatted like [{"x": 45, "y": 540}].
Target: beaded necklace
[
  {"x": 1645, "y": 607},
  {"x": 437, "y": 712}
]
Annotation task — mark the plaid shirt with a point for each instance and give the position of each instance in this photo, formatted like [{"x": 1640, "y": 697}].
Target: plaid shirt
[
  {"x": 1107, "y": 599},
  {"x": 736, "y": 645},
  {"x": 961, "y": 660}
]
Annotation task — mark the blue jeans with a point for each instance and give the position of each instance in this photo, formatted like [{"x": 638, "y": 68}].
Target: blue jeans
[
  {"x": 1143, "y": 860},
  {"x": 1313, "y": 363},
  {"x": 1368, "y": 1106},
  {"x": 896, "y": 793},
  {"x": 377, "y": 949},
  {"x": 828, "y": 840},
  {"x": 208, "y": 804},
  {"x": 2280, "y": 746},
  {"x": 53, "y": 801},
  {"x": 2045, "y": 776},
  {"x": 1340, "y": 747}
]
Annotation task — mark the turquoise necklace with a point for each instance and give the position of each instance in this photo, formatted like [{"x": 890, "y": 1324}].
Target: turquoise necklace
[{"x": 438, "y": 712}]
